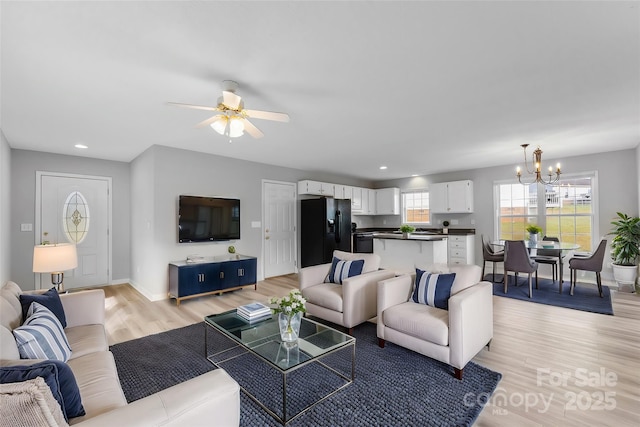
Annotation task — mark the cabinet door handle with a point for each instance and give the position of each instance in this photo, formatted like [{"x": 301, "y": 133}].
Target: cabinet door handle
[
  {"x": 241, "y": 272},
  {"x": 222, "y": 274}
]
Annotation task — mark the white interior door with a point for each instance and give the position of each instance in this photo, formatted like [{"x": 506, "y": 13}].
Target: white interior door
[
  {"x": 279, "y": 227},
  {"x": 76, "y": 209}
]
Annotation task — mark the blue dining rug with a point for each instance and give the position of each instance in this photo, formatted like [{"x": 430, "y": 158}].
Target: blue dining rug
[
  {"x": 585, "y": 297},
  {"x": 393, "y": 386}
]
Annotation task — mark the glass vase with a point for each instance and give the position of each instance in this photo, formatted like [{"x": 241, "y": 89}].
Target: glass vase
[
  {"x": 289, "y": 326},
  {"x": 533, "y": 238}
]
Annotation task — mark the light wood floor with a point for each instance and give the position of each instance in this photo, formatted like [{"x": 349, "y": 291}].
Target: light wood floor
[{"x": 560, "y": 367}]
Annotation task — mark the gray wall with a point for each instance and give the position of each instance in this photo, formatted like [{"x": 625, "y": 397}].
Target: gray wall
[
  {"x": 5, "y": 209},
  {"x": 617, "y": 190},
  {"x": 638, "y": 169},
  {"x": 161, "y": 174},
  {"x": 24, "y": 165}
]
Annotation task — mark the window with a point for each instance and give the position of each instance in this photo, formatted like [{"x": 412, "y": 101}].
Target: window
[
  {"x": 75, "y": 217},
  {"x": 518, "y": 206},
  {"x": 565, "y": 210},
  {"x": 415, "y": 207},
  {"x": 569, "y": 211}
]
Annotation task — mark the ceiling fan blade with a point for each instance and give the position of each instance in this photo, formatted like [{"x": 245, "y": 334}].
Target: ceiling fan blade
[
  {"x": 208, "y": 121},
  {"x": 197, "y": 107},
  {"x": 251, "y": 129},
  {"x": 231, "y": 100},
  {"x": 267, "y": 115}
]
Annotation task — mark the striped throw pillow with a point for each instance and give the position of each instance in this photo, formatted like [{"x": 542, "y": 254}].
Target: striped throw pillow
[
  {"x": 433, "y": 289},
  {"x": 41, "y": 336},
  {"x": 341, "y": 270}
]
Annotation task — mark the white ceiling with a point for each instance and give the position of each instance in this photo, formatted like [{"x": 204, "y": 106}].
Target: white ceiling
[{"x": 422, "y": 87}]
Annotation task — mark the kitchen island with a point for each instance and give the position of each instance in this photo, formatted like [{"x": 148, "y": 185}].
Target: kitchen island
[{"x": 402, "y": 254}]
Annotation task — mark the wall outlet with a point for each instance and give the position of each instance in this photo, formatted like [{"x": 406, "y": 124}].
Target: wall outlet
[
  {"x": 256, "y": 224},
  {"x": 26, "y": 227},
  {"x": 454, "y": 222},
  {"x": 473, "y": 222},
  {"x": 384, "y": 222}
]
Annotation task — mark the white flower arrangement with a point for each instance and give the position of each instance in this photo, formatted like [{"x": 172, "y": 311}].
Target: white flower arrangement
[{"x": 289, "y": 304}]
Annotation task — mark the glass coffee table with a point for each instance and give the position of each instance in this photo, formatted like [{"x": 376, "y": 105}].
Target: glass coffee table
[{"x": 231, "y": 341}]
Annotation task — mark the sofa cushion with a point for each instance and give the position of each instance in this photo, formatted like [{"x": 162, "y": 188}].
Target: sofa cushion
[
  {"x": 343, "y": 269},
  {"x": 86, "y": 339},
  {"x": 10, "y": 292},
  {"x": 8, "y": 346},
  {"x": 29, "y": 403},
  {"x": 98, "y": 382},
  {"x": 328, "y": 295},
  {"x": 49, "y": 299},
  {"x": 419, "y": 320},
  {"x": 42, "y": 336},
  {"x": 433, "y": 289}
]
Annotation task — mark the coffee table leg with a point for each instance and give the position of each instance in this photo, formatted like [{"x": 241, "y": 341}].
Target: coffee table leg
[{"x": 284, "y": 398}]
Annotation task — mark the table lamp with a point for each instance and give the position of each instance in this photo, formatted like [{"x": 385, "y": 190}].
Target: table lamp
[{"x": 55, "y": 259}]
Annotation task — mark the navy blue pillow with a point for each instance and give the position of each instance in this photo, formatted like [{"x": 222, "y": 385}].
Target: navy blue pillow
[
  {"x": 59, "y": 378},
  {"x": 49, "y": 299},
  {"x": 433, "y": 289},
  {"x": 48, "y": 372},
  {"x": 341, "y": 270}
]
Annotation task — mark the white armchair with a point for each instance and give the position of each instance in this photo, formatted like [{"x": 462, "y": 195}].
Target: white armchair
[
  {"x": 349, "y": 304},
  {"x": 454, "y": 336}
]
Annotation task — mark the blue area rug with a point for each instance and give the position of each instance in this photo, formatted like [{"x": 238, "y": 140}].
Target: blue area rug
[
  {"x": 393, "y": 386},
  {"x": 585, "y": 297}
]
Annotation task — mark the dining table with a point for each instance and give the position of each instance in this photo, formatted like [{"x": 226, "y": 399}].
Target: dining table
[{"x": 547, "y": 245}]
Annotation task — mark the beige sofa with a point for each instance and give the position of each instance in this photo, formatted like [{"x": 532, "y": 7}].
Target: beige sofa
[
  {"x": 214, "y": 395},
  {"x": 349, "y": 304},
  {"x": 454, "y": 336}
]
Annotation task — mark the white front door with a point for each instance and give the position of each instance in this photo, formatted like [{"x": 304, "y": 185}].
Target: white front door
[
  {"x": 279, "y": 227},
  {"x": 76, "y": 209}
]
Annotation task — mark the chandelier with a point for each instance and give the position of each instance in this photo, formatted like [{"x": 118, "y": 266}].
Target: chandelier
[{"x": 536, "y": 162}]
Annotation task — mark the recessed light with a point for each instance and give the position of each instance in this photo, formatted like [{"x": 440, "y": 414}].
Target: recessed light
[
  {"x": 81, "y": 146},
  {"x": 414, "y": 175},
  {"x": 383, "y": 167}
]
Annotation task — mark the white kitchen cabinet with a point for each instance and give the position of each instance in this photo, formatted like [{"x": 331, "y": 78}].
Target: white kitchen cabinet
[
  {"x": 451, "y": 197},
  {"x": 356, "y": 200},
  {"x": 371, "y": 202},
  {"x": 338, "y": 191},
  {"x": 460, "y": 249},
  {"x": 348, "y": 192},
  {"x": 388, "y": 201},
  {"x": 315, "y": 188}
]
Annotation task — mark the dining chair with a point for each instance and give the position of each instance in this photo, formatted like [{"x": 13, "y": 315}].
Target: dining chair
[
  {"x": 592, "y": 263},
  {"x": 517, "y": 259},
  {"x": 549, "y": 257},
  {"x": 491, "y": 255}
]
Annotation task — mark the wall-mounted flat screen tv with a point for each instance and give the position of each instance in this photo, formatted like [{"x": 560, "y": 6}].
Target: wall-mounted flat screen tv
[{"x": 208, "y": 219}]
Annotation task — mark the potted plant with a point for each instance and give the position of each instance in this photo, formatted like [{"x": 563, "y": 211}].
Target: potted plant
[
  {"x": 533, "y": 231},
  {"x": 406, "y": 229},
  {"x": 625, "y": 248}
]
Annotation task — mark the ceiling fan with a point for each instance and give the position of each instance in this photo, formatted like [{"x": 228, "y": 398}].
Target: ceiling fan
[{"x": 233, "y": 118}]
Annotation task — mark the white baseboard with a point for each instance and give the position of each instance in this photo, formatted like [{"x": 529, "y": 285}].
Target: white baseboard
[{"x": 150, "y": 296}]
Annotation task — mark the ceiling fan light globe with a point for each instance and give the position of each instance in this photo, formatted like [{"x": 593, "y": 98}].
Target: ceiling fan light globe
[
  {"x": 236, "y": 128},
  {"x": 219, "y": 125}
]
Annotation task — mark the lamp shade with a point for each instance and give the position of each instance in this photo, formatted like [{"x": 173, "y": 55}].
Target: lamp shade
[{"x": 54, "y": 258}]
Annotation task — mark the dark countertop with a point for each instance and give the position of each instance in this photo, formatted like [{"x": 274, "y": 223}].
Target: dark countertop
[
  {"x": 411, "y": 236},
  {"x": 428, "y": 231}
]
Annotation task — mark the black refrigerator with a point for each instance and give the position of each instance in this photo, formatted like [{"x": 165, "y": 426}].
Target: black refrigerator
[{"x": 325, "y": 225}]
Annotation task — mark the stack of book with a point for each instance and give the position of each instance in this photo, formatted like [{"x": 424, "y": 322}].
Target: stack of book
[{"x": 254, "y": 312}]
